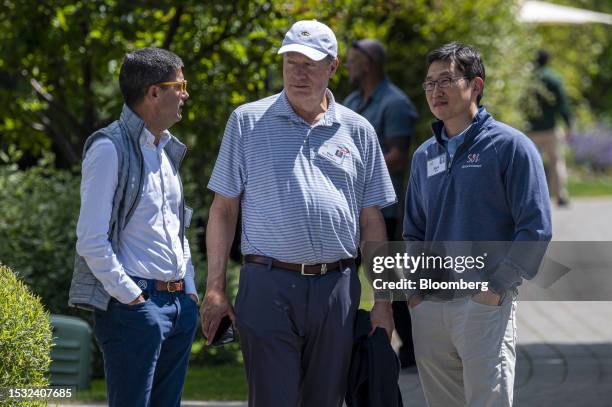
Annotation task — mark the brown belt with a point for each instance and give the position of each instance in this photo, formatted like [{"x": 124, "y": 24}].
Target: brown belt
[
  {"x": 305, "y": 269},
  {"x": 170, "y": 286}
]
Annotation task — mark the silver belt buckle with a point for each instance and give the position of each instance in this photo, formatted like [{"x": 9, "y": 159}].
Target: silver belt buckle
[{"x": 323, "y": 270}]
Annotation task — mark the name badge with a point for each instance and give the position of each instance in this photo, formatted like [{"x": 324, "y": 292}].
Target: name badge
[
  {"x": 436, "y": 165},
  {"x": 333, "y": 152}
]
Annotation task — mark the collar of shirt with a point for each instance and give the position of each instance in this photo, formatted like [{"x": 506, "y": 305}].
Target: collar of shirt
[
  {"x": 283, "y": 108},
  {"x": 453, "y": 143},
  {"x": 378, "y": 92},
  {"x": 147, "y": 139}
]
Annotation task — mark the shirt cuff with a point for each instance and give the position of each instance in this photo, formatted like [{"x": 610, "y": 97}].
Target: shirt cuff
[
  {"x": 190, "y": 287},
  {"x": 507, "y": 276},
  {"x": 125, "y": 292}
]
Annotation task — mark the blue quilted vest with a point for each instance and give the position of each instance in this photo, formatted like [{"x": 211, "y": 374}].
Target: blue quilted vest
[{"x": 86, "y": 291}]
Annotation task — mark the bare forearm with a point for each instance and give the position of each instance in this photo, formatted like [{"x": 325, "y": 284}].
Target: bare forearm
[
  {"x": 372, "y": 227},
  {"x": 219, "y": 237}
]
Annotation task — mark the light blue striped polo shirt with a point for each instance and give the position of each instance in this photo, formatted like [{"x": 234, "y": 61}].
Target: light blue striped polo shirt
[{"x": 302, "y": 186}]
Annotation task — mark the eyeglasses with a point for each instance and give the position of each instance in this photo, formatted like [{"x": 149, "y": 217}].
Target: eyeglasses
[
  {"x": 429, "y": 86},
  {"x": 182, "y": 83}
]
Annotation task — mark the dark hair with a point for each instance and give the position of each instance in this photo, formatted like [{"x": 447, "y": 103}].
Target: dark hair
[
  {"x": 373, "y": 50},
  {"x": 466, "y": 58},
  {"x": 329, "y": 59},
  {"x": 542, "y": 57},
  {"x": 143, "y": 68}
]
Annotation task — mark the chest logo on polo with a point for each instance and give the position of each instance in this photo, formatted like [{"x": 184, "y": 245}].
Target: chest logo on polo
[
  {"x": 336, "y": 153},
  {"x": 472, "y": 161}
]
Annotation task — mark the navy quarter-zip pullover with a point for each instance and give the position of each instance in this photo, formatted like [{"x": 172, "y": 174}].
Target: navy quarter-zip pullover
[{"x": 493, "y": 189}]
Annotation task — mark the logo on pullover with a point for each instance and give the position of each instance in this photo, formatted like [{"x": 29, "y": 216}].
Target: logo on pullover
[{"x": 473, "y": 161}]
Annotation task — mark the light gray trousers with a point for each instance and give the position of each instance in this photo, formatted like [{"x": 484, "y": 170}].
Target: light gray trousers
[{"x": 466, "y": 352}]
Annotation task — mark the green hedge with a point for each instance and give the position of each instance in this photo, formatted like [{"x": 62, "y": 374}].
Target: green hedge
[
  {"x": 39, "y": 209},
  {"x": 25, "y": 337},
  {"x": 38, "y": 214}
]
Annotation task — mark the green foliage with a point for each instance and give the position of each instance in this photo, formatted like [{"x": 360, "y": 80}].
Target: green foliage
[
  {"x": 582, "y": 55},
  {"x": 39, "y": 208},
  {"x": 218, "y": 382},
  {"x": 25, "y": 337},
  {"x": 55, "y": 99},
  {"x": 412, "y": 29}
]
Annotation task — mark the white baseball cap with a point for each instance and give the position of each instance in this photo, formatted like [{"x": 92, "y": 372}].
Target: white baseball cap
[{"x": 310, "y": 38}]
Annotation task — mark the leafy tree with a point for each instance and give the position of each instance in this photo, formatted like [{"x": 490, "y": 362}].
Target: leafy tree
[
  {"x": 582, "y": 55},
  {"x": 60, "y": 60}
]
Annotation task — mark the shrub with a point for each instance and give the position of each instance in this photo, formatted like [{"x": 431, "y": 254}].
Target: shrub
[
  {"x": 38, "y": 213},
  {"x": 593, "y": 148},
  {"x": 39, "y": 208},
  {"x": 25, "y": 337}
]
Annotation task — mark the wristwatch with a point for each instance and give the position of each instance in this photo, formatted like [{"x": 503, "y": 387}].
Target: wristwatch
[{"x": 495, "y": 290}]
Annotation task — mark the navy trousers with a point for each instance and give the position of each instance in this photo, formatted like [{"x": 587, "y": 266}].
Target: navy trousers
[
  {"x": 146, "y": 349},
  {"x": 296, "y": 335}
]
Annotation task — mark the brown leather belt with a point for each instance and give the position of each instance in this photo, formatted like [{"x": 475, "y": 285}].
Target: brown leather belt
[
  {"x": 304, "y": 269},
  {"x": 170, "y": 286}
]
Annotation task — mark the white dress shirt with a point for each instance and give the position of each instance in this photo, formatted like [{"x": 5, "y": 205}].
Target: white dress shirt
[{"x": 150, "y": 244}]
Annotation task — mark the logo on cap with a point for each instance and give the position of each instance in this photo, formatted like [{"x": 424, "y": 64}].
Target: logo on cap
[{"x": 304, "y": 34}]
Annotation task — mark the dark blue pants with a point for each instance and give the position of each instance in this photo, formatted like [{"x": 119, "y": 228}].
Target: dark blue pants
[
  {"x": 146, "y": 348},
  {"x": 296, "y": 335}
]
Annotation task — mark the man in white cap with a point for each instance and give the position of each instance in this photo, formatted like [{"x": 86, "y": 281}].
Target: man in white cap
[{"x": 311, "y": 180}]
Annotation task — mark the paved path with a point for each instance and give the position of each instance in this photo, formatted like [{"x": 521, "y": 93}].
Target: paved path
[{"x": 564, "y": 348}]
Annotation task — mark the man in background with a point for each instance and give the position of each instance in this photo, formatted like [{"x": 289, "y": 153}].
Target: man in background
[
  {"x": 393, "y": 116},
  {"x": 546, "y": 104}
]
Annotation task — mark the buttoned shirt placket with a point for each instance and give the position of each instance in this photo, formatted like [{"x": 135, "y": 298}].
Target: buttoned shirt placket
[{"x": 164, "y": 168}]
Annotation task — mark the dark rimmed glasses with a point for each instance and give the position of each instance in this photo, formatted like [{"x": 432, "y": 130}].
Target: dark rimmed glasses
[{"x": 429, "y": 86}]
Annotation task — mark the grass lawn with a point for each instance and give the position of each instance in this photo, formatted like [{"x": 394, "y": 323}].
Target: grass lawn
[
  {"x": 222, "y": 382},
  {"x": 215, "y": 382},
  {"x": 584, "y": 182},
  {"x": 581, "y": 185}
]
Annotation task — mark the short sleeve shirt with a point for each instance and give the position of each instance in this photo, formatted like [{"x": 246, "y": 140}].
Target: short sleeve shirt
[
  {"x": 393, "y": 116},
  {"x": 301, "y": 186},
  {"x": 388, "y": 109}
]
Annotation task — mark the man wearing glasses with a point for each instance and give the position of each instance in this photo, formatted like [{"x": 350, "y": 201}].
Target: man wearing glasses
[
  {"x": 133, "y": 265},
  {"x": 476, "y": 179}
]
